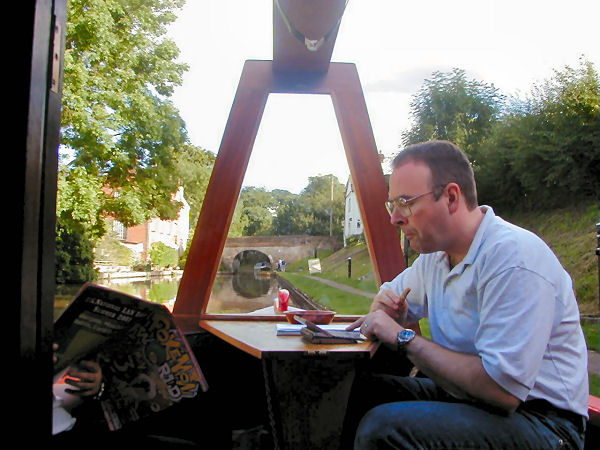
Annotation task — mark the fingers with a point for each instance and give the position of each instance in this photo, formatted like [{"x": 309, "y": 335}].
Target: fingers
[
  {"x": 404, "y": 294},
  {"x": 377, "y": 326},
  {"x": 86, "y": 378},
  {"x": 365, "y": 329},
  {"x": 355, "y": 324},
  {"x": 391, "y": 303},
  {"x": 54, "y": 350},
  {"x": 90, "y": 366},
  {"x": 385, "y": 299}
]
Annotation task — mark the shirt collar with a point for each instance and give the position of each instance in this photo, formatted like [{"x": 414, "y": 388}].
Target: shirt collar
[{"x": 488, "y": 218}]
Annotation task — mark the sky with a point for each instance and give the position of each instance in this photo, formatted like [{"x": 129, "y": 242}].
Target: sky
[{"x": 395, "y": 44}]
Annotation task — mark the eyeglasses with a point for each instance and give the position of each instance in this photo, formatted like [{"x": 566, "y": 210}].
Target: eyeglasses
[{"x": 403, "y": 204}]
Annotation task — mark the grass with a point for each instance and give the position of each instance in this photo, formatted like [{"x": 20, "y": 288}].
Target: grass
[
  {"x": 571, "y": 234},
  {"x": 595, "y": 384},
  {"x": 331, "y": 298},
  {"x": 569, "y": 231},
  {"x": 591, "y": 331}
]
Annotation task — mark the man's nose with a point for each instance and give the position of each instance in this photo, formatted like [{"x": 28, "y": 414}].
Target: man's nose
[{"x": 397, "y": 219}]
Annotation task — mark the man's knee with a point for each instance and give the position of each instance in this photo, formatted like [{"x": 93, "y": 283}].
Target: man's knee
[{"x": 374, "y": 429}]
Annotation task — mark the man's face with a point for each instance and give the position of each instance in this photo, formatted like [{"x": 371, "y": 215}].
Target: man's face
[{"x": 423, "y": 227}]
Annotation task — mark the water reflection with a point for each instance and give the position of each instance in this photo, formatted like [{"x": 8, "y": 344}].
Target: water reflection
[
  {"x": 252, "y": 285},
  {"x": 242, "y": 292}
]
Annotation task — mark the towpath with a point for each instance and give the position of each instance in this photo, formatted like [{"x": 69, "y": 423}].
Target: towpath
[{"x": 343, "y": 287}]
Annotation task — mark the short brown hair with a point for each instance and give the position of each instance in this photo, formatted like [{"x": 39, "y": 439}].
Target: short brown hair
[{"x": 448, "y": 164}]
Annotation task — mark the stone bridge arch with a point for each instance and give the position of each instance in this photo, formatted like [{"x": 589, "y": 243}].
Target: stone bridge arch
[{"x": 288, "y": 248}]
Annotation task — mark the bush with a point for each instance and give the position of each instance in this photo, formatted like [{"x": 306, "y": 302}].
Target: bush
[
  {"x": 109, "y": 249},
  {"x": 74, "y": 257},
  {"x": 162, "y": 255}
]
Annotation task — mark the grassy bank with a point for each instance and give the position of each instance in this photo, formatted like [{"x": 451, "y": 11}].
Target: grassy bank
[
  {"x": 570, "y": 232},
  {"x": 330, "y": 298}
]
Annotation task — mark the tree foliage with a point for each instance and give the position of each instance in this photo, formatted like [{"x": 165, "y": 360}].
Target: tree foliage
[
  {"x": 536, "y": 152},
  {"x": 74, "y": 255},
  {"x": 259, "y": 206},
  {"x": 194, "y": 166},
  {"x": 162, "y": 255},
  {"x": 279, "y": 212},
  {"x": 117, "y": 120},
  {"x": 110, "y": 251},
  {"x": 545, "y": 152},
  {"x": 79, "y": 205},
  {"x": 309, "y": 212},
  {"x": 127, "y": 145},
  {"x": 451, "y": 107}
]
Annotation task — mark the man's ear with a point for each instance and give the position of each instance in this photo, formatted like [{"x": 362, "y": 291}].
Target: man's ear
[{"x": 453, "y": 195}]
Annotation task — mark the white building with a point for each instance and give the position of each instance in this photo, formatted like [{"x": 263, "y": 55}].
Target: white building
[
  {"x": 172, "y": 233},
  {"x": 353, "y": 224},
  {"x": 352, "y": 220}
]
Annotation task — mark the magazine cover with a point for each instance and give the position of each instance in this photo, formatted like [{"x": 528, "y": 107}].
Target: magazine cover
[{"x": 146, "y": 362}]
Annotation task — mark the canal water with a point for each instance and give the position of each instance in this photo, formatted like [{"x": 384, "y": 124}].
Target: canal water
[{"x": 242, "y": 292}]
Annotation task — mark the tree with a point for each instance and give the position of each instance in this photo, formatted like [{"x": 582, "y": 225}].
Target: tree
[
  {"x": 128, "y": 146},
  {"x": 117, "y": 119},
  {"x": 545, "y": 151},
  {"x": 258, "y": 205},
  {"x": 162, "y": 255},
  {"x": 74, "y": 255},
  {"x": 79, "y": 206},
  {"x": 451, "y": 107},
  {"x": 311, "y": 212},
  {"x": 238, "y": 222},
  {"x": 194, "y": 166},
  {"x": 110, "y": 250}
]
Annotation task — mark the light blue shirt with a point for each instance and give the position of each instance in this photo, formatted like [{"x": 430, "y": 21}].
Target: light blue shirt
[{"x": 511, "y": 302}]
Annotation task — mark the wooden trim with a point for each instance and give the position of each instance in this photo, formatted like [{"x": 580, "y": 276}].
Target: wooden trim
[
  {"x": 594, "y": 411},
  {"x": 257, "y": 81},
  {"x": 34, "y": 137},
  {"x": 259, "y": 338},
  {"x": 266, "y": 318},
  {"x": 314, "y": 19},
  {"x": 365, "y": 166},
  {"x": 222, "y": 195}
]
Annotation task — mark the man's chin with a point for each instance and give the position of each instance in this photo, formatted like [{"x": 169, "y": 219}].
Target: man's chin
[
  {"x": 417, "y": 247},
  {"x": 414, "y": 245}
]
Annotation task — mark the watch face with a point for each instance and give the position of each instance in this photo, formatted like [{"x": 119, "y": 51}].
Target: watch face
[{"x": 405, "y": 336}]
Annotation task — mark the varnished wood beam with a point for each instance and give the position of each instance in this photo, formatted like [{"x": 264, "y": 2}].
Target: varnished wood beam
[{"x": 258, "y": 80}]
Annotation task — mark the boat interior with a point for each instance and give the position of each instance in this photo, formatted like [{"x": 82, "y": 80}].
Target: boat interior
[{"x": 270, "y": 395}]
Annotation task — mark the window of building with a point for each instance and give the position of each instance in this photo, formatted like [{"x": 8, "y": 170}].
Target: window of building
[{"x": 119, "y": 230}]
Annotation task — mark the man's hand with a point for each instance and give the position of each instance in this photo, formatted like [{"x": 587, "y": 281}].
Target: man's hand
[
  {"x": 378, "y": 325},
  {"x": 392, "y": 304},
  {"x": 86, "y": 378}
]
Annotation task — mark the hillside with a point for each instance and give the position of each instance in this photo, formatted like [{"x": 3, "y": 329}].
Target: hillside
[{"x": 570, "y": 232}]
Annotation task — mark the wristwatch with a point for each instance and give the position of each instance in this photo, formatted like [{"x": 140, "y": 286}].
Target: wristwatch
[{"x": 403, "y": 339}]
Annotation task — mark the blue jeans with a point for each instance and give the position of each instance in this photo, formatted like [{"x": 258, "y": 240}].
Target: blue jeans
[{"x": 414, "y": 413}]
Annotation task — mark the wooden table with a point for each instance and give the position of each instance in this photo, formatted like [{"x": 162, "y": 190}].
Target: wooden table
[{"x": 307, "y": 385}]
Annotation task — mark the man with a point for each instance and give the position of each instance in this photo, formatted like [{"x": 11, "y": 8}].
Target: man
[{"x": 507, "y": 363}]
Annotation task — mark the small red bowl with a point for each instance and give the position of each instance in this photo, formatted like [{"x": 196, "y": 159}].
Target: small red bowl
[{"x": 314, "y": 315}]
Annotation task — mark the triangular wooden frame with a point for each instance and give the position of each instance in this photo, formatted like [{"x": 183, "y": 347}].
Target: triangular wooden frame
[{"x": 258, "y": 80}]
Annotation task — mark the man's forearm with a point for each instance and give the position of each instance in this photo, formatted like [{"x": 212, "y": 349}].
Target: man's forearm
[{"x": 460, "y": 374}]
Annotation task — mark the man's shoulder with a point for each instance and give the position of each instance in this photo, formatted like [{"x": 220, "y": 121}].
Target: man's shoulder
[
  {"x": 499, "y": 231},
  {"x": 516, "y": 245}
]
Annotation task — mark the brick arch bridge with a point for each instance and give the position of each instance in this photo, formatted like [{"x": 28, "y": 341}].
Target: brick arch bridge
[{"x": 288, "y": 248}]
